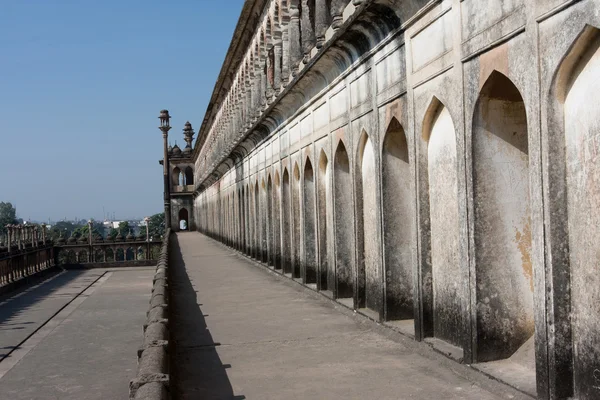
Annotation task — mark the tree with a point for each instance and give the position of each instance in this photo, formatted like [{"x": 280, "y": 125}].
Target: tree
[
  {"x": 123, "y": 228},
  {"x": 82, "y": 231},
  {"x": 156, "y": 224},
  {"x": 8, "y": 215},
  {"x": 65, "y": 228}
]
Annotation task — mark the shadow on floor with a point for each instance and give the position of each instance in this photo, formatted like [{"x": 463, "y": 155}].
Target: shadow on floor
[
  {"x": 198, "y": 372},
  {"x": 18, "y": 301}
]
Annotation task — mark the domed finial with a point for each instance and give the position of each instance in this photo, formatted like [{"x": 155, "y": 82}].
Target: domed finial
[{"x": 188, "y": 135}]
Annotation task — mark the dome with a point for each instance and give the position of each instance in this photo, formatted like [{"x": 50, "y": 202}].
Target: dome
[
  {"x": 170, "y": 149},
  {"x": 130, "y": 236},
  {"x": 176, "y": 150},
  {"x": 119, "y": 236},
  {"x": 187, "y": 150},
  {"x": 72, "y": 239}
]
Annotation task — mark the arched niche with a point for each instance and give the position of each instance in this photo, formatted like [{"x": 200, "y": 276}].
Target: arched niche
[
  {"x": 398, "y": 223},
  {"x": 577, "y": 85},
  {"x": 256, "y": 222},
  {"x": 326, "y": 276},
  {"x": 369, "y": 275},
  {"x": 241, "y": 221},
  {"x": 264, "y": 242},
  {"x": 286, "y": 232},
  {"x": 344, "y": 228},
  {"x": 296, "y": 222},
  {"x": 442, "y": 177},
  {"x": 310, "y": 237},
  {"x": 276, "y": 222},
  {"x": 502, "y": 221},
  {"x": 269, "y": 221}
]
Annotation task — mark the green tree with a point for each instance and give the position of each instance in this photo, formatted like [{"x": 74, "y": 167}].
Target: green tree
[
  {"x": 65, "y": 228},
  {"x": 156, "y": 224},
  {"x": 8, "y": 215},
  {"x": 123, "y": 227},
  {"x": 82, "y": 230}
]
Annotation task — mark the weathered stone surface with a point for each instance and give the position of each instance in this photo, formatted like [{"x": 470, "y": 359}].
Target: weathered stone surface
[{"x": 476, "y": 225}]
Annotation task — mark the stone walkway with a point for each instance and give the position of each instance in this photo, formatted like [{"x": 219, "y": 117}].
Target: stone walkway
[
  {"x": 244, "y": 332},
  {"x": 74, "y": 336}
]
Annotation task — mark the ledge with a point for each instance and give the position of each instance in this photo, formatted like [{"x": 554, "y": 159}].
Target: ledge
[{"x": 152, "y": 380}]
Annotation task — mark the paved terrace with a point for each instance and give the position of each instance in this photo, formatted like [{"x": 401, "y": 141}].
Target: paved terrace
[
  {"x": 244, "y": 332},
  {"x": 74, "y": 336}
]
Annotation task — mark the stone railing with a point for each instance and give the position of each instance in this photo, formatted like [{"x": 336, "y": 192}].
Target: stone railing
[
  {"x": 152, "y": 381},
  {"x": 17, "y": 263},
  {"x": 107, "y": 251}
]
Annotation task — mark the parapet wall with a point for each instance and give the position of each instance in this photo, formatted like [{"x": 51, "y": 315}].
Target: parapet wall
[{"x": 152, "y": 381}]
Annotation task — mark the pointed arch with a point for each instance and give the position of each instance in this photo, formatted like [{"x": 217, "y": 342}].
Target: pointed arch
[
  {"x": 502, "y": 220},
  {"x": 269, "y": 221},
  {"x": 326, "y": 273},
  {"x": 286, "y": 233},
  {"x": 296, "y": 227},
  {"x": 575, "y": 169},
  {"x": 398, "y": 223},
  {"x": 442, "y": 315},
  {"x": 189, "y": 176},
  {"x": 369, "y": 290},
  {"x": 344, "y": 227},
  {"x": 310, "y": 235},
  {"x": 175, "y": 176}
]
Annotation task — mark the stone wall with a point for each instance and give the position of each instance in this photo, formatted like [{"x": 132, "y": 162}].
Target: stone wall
[{"x": 434, "y": 162}]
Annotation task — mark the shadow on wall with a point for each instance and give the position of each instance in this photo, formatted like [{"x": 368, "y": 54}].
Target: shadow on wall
[{"x": 198, "y": 370}]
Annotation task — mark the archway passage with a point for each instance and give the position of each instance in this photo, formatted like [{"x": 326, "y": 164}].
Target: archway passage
[
  {"x": 369, "y": 275},
  {"x": 183, "y": 219},
  {"x": 581, "y": 80},
  {"x": 344, "y": 228},
  {"x": 443, "y": 216},
  {"x": 398, "y": 222},
  {"x": 310, "y": 239},
  {"x": 502, "y": 221},
  {"x": 176, "y": 176}
]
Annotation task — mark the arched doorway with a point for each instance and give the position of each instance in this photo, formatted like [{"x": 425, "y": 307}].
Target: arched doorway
[{"x": 183, "y": 219}]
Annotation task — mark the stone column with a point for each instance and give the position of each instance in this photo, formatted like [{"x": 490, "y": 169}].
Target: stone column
[
  {"x": 294, "y": 39},
  {"x": 337, "y": 11},
  {"x": 285, "y": 55},
  {"x": 277, "y": 67},
  {"x": 308, "y": 33},
  {"x": 20, "y": 237},
  {"x": 10, "y": 238},
  {"x": 265, "y": 85},
  {"x": 322, "y": 17}
]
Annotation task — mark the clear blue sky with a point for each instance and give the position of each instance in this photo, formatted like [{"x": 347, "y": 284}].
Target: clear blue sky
[{"x": 81, "y": 86}]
